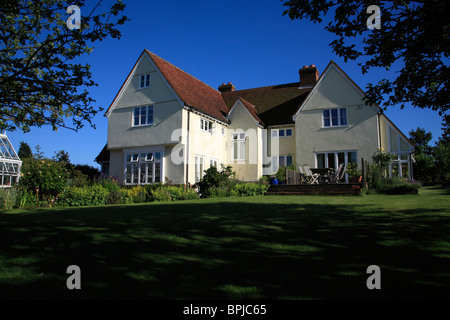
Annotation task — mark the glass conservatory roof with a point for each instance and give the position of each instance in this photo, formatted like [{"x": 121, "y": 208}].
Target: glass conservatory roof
[{"x": 6, "y": 149}]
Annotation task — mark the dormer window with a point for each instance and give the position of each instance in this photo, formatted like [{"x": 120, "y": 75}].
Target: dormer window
[{"x": 144, "y": 81}]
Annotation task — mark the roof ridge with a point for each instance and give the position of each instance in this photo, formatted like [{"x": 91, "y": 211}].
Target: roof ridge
[
  {"x": 171, "y": 64},
  {"x": 263, "y": 87}
]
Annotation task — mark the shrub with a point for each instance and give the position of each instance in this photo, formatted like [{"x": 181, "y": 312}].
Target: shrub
[
  {"x": 46, "y": 176},
  {"x": 8, "y": 198},
  {"x": 213, "y": 178},
  {"x": 85, "y": 196},
  {"x": 249, "y": 189},
  {"x": 395, "y": 186},
  {"x": 173, "y": 193},
  {"x": 135, "y": 194}
]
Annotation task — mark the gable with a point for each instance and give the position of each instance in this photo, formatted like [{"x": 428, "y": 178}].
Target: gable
[
  {"x": 131, "y": 95},
  {"x": 246, "y": 112},
  {"x": 334, "y": 89}
]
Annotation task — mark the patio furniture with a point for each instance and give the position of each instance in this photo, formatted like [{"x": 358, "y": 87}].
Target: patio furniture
[
  {"x": 313, "y": 178},
  {"x": 336, "y": 177}
]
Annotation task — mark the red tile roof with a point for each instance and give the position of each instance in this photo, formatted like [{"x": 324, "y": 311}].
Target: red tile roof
[
  {"x": 192, "y": 91},
  {"x": 252, "y": 109}
]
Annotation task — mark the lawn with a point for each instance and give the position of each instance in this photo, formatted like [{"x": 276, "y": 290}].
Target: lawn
[{"x": 267, "y": 247}]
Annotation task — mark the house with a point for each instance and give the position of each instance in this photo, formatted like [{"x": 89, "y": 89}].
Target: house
[
  {"x": 164, "y": 123},
  {"x": 10, "y": 163}
]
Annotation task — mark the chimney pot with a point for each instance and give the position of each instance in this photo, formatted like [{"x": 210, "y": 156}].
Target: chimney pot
[
  {"x": 308, "y": 76},
  {"x": 227, "y": 87}
]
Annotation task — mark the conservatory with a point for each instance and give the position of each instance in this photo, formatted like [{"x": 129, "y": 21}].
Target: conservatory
[{"x": 10, "y": 163}]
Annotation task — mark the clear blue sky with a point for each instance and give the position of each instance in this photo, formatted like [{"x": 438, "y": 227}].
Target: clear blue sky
[{"x": 246, "y": 42}]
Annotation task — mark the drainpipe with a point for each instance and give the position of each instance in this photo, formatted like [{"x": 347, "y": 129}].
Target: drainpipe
[
  {"x": 189, "y": 109},
  {"x": 379, "y": 113}
]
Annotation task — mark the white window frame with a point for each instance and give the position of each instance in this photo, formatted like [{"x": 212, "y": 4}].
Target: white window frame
[
  {"x": 199, "y": 167},
  {"x": 285, "y": 133},
  {"x": 148, "y": 110},
  {"x": 144, "y": 81},
  {"x": 206, "y": 125},
  {"x": 213, "y": 162},
  {"x": 140, "y": 158},
  {"x": 330, "y": 118},
  {"x": 239, "y": 138},
  {"x": 398, "y": 161},
  {"x": 336, "y": 157}
]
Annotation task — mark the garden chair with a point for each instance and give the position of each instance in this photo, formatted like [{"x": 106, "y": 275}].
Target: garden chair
[
  {"x": 336, "y": 178},
  {"x": 312, "y": 177},
  {"x": 303, "y": 176}
]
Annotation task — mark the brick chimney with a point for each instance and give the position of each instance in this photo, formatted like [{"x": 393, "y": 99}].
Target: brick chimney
[
  {"x": 227, "y": 87},
  {"x": 308, "y": 76}
]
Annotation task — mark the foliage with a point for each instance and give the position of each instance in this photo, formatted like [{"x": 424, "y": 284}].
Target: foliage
[
  {"x": 8, "y": 198},
  {"x": 442, "y": 157},
  {"x": 216, "y": 179},
  {"x": 85, "y": 196},
  {"x": 135, "y": 194},
  {"x": 39, "y": 82},
  {"x": 173, "y": 193},
  {"x": 44, "y": 176},
  {"x": 249, "y": 189},
  {"x": 352, "y": 170},
  {"x": 281, "y": 173},
  {"x": 398, "y": 186},
  {"x": 24, "y": 151},
  {"x": 413, "y": 36}
]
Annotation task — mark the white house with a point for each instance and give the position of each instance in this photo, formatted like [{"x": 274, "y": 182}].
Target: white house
[{"x": 164, "y": 123}]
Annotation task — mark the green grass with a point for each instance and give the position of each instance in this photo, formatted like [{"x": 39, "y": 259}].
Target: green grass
[{"x": 269, "y": 247}]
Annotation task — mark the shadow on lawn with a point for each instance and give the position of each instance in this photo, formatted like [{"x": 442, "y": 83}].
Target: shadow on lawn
[{"x": 224, "y": 250}]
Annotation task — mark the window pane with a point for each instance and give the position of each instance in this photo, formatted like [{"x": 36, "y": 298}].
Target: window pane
[
  {"x": 144, "y": 115},
  {"x": 157, "y": 172},
  {"x": 142, "y": 173},
  {"x": 242, "y": 150},
  {"x": 282, "y": 132},
  {"x": 150, "y": 156},
  {"x": 331, "y": 160},
  {"x": 288, "y": 132},
  {"x": 274, "y": 133},
  {"x": 136, "y": 116},
  {"x": 135, "y": 157},
  {"x": 150, "y": 115},
  {"x": 235, "y": 150},
  {"x": 142, "y": 82},
  {"x": 135, "y": 173},
  {"x": 326, "y": 118},
  {"x": 281, "y": 161},
  {"x": 341, "y": 158},
  {"x": 321, "y": 160},
  {"x": 147, "y": 80},
  {"x": 343, "y": 113},
  {"x": 352, "y": 157},
  {"x": 201, "y": 124},
  {"x": 128, "y": 157},
  {"x": 157, "y": 156},
  {"x": 289, "y": 161},
  {"x": 334, "y": 117},
  {"x": 150, "y": 173},
  {"x": 405, "y": 170}
]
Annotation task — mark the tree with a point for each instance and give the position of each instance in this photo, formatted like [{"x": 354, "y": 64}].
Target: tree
[
  {"x": 40, "y": 81},
  {"x": 421, "y": 140},
  {"x": 413, "y": 34},
  {"x": 61, "y": 156},
  {"x": 24, "y": 151}
]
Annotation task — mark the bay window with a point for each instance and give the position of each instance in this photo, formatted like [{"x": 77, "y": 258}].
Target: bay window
[{"x": 143, "y": 168}]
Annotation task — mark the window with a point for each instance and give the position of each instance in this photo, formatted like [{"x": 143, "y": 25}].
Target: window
[
  {"x": 285, "y": 161},
  {"x": 199, "y": 167},
  {"x": 143, "y": 168},
  {"x": 239, "y": 146},
  {"x": 334, "y": 117},
  {"x": 143, "y": 116},
  {"x": 400, "y": 166},
  {"x": 214, "y": 163},
  {"x": 144, "y": 81},
  {"x": 334, "y": 159},
  {"x": 282, "y": 133},
  {"x": 206, "y": 125},
  {"x": 223, "y": 131}
]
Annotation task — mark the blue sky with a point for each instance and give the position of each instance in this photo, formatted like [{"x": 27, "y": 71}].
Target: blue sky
[{"x": 246, "y": 42}]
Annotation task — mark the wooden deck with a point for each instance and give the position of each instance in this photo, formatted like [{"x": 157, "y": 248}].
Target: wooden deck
[{"x": 353, "y": 189}]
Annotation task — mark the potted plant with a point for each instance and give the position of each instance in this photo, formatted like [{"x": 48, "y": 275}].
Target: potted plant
[
  {"x": 273, "y": 179},
  {"x": 353, "y": 172}
]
